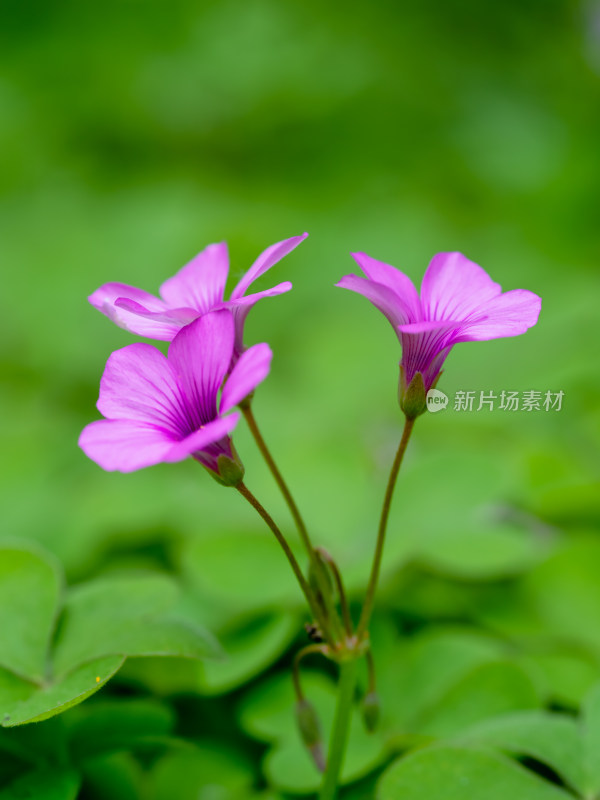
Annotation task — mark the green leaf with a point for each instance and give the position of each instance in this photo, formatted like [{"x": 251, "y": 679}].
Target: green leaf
[
  {"x": 113, "y": 725},
  {"x": 591, "y": 743},
  {"x": 117, "y": 776},
  {"x": 486, "y": 691},
  {"x": 553, "y": 739},
  {"x": 12, "y": 691},
  {"x": 162, "y": 676},
  {"x": 36, "y": 744},
  {"x": 566, "y": 592},
  {"x": 203, "y": 772},
  {"x": 54, "y": 698},
  {"x": 414, "y": 675},
  {"x": 104, "y": 621},
  {"x": 468, "y": 485},
  {"x": 251, "y": 646},
  {"x": 30, "y": 589},
  {"x": 456, "y": 773},
  {"x": 564, "y": 674},
  {"x": 485, "y": 552},
  {"x": 128, "y": 616},
  {"x": 243, "y": 569},
  {"x": 51, "y": 783}
]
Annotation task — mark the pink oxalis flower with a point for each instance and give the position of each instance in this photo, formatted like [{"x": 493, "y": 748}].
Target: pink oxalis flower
[
  {"x": 164, "y": 408},
  {"x": 196, "y": 289},
  {"x": 459, "y": 302}
]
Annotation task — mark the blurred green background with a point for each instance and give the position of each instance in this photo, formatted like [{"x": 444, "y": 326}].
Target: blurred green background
[{"x": 133, "y": 134}]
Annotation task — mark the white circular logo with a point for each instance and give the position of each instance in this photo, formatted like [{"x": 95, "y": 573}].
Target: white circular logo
[{"x": 436, "y": 400}]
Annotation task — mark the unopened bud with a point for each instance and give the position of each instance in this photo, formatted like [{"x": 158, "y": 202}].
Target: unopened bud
[
  {"x": 370, "y": 711},
  {"x": 412, "y": 398},
  {"x": 310, "y": 731}
]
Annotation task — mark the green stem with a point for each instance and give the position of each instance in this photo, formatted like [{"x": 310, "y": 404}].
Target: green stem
[
  {"x": 340, "y": 731},
  {"x": 317, "y": 569},
  {"x": 385, "y": 511},
  {"x": 304, "y": 585}
]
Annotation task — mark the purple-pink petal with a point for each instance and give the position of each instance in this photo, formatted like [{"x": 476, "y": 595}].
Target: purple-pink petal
[
  {"x": 251, "y": 369},
  {"x": 197, "y": 441},
  {"x": 454, "y": 288},
  {"x": 509, "y": 314},
  {"x": 139, "y": 384},
  {"x": 201, "y": 282},
  {"x": 248, "y": 300},
  {"x": 265, "y": 261},
  {"x": 394, "y": 279},
  {"x": 177, "y": 317},
  {"x": 200, "y": 355},
  {"x": 381, "y": 296},
  {"x": 109, "y": 292},
  {"x": 425, "y": 346},
  {"x": 124, "y": 445},
  {"x": 105, "y": 299},
  {"x": 242, "y": 306}
]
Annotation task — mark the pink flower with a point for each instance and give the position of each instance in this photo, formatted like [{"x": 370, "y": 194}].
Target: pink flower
[
  {"x": 195, "y": 290},
  {"x": 164, "y": 408},
  {"x": 459, "y": 302}
]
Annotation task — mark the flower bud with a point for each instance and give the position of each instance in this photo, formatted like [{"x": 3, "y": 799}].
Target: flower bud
[
  {"x": 412, "y": 398},
  {"x": 370, "y": 711},
  {"x": 310, "y": 731}
]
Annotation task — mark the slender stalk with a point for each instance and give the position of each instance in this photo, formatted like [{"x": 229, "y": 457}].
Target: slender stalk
[
  {"x": 266, "y": 453},
  {"x": 306, "y": 651},
  {"x": 317, "y": 569},
  {"x": 340, "y": 731},
  {"x": 304, "y": 585},
  {"x": 340, "y": 587},
  {"x": 385, "y": 511}
]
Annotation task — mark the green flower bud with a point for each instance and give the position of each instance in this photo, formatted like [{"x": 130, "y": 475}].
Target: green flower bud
[
  {"x": 371, "y": 708},
  {"x": 310, "y": 731},
  {"x": 321, "y": 582}
]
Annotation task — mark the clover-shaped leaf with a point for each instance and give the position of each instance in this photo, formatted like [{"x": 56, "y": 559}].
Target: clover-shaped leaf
[
  {"x": 591, "y": 744},
  {"x": 460, "y": 773},
  {"x": 251, "y": 645},
  {"x": 30, "y": 596},
  {"x": 102, "y": 623},
  {"x": 46, "y": 783},
  {"x": 553, "y": 739}
]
